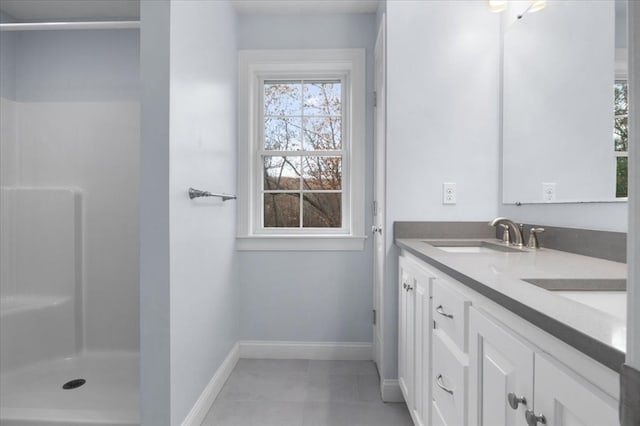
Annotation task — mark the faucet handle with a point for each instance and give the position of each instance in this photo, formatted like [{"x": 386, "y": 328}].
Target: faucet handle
[
  {"x": 533, "y": 238},
  {"x": 506, "y": 237}
]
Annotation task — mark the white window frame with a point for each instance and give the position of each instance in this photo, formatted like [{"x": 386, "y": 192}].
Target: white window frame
[{"x": 256, "y": 66}]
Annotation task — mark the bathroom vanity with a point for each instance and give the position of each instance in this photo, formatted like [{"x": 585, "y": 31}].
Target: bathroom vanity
[{"x": 497, "y": 335}]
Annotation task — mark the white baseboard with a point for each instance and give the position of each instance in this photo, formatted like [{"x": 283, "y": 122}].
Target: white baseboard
[
  {"x": 355, "y": 351},
  {"x": 391, "y": 391},
  {"x": 208, "y": 396}
]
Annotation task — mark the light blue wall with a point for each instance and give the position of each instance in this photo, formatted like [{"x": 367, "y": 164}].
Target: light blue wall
[
  {"x": 311, "y": 296},
  {"x": 155, "y": 370},
  {"x": 189, "y": 296},
  {"x": 7, "y": 60},
  {"x": 204, "y": 292},
  {"x": 306, "y": 296}
]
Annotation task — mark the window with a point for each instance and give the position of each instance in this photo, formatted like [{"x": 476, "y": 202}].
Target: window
[
  {"x": 620, "y": 136},
  {"x": 301, "y": 156}
]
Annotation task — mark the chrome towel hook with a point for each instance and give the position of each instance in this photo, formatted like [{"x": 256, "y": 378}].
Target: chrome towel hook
[{"x": 196, "y": 193}]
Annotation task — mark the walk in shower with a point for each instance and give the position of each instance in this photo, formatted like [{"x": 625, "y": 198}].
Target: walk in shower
[{"x": 69, "y": 263}]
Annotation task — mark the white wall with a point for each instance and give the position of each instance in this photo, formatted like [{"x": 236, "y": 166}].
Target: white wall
[
  {"x": 75, "y": 123},
  {"x": 633, "y": 307},
  {"x": 310, "y": 296},
  {"x": 442, "y": 123},
  {"x": 189, "y": 308}
]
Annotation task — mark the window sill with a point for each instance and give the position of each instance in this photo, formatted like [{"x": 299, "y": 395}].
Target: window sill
[{"x": 301, "y": 243}]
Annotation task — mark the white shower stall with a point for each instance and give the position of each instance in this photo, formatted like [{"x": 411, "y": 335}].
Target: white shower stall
[{"x": 69, "y": 219}]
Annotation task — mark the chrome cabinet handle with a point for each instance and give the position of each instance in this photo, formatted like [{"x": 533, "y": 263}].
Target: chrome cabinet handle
[
  {"x": 443, "y": 313},
  {"x": 442, "y": 386},
  {"x": 533, "y": 420},
  {"x": 514, "y": 400}
]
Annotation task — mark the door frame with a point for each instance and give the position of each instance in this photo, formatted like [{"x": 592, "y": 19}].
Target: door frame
[{"x": 379, "y": 190}]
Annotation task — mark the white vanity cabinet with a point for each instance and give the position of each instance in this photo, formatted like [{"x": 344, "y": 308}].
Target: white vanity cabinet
[
  {"x": 414, "y": 339},
  {"x": 512, "y": 381},
  {"x": 465, "y": 360}
]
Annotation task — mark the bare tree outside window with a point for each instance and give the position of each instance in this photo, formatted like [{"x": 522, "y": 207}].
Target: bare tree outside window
[
  {"x": 620, "y": 136},
  {"x": 302, "y": 154}
]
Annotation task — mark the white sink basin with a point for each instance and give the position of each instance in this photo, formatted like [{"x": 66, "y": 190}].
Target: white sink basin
[
  {"x": 612, "y": 302},
  {"x": 466, "y": 249},
  {"x": 606, "y": 295},
  {"x": 472, "y": 246}
]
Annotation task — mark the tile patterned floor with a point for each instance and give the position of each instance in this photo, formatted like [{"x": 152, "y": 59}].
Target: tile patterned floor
[{"x": 263, "y": 392}]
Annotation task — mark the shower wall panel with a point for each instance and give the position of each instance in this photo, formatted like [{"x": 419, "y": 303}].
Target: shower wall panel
[
  {"x": 38, "y": 306},
  {"x": 77, "y": 125}
]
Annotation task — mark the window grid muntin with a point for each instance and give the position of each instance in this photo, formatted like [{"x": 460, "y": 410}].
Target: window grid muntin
[{"x": 343, "y": 153}]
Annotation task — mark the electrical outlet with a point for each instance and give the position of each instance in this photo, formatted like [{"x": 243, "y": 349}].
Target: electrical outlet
[
  {"x": 448, "y": 193},
  {"x": 548, "y": 192}
]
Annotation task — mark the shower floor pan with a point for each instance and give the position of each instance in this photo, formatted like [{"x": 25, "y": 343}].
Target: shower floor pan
[{"x": 110, "y": 396}]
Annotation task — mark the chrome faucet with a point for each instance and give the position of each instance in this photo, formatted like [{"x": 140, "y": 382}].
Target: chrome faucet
[{"x": 517, "y": 230}]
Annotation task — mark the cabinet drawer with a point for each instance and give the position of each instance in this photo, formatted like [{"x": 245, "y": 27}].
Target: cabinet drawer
[
  {"x": 450, "y": 312},
  {"x": 449, "y": 383}
]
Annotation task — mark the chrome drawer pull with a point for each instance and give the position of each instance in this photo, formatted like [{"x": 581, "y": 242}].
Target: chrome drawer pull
[
  {"x": 533, "y": 419},
  {"x": 442, "y": 386},
  {"x": 514, "y": 400},
  {"x": 443, "y": 313}
]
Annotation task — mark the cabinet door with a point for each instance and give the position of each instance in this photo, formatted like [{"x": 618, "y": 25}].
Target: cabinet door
[
  {"x": 405, "y": 333},
  {"x": 566, "y": 399},
  {"x": 500, "y": 364},
  {"x": 422, "y": 353}
]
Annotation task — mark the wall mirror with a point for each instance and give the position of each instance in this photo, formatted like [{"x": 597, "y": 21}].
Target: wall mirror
[{"x": 564, "y": 103}]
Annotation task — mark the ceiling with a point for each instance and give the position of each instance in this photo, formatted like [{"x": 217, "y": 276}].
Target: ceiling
[{"x": 57, "y": 10}]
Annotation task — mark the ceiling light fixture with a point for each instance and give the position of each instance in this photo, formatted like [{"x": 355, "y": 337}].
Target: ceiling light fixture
[{"x": 496, "y": 6}]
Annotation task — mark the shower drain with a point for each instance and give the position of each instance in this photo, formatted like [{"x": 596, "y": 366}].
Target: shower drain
[{"x": 75, "y": 383}]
